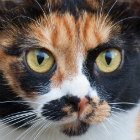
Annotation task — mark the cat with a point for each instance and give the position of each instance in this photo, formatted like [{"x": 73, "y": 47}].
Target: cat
[{"x": 69, "y": 70}]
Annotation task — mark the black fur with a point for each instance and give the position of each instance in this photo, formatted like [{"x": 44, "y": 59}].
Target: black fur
[
  {"x": 79, "y": 130},
  {"x": 122, "y": 84},
  {"x": 11, "y": 104},
  {"x": 53, "y": 109}
]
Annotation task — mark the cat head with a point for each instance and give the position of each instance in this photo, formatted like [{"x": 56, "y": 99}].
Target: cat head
[{"x": 68, "y": 62}]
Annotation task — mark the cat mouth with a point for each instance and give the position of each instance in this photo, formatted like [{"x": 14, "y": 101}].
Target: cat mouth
[
  {"x": 78, "y": 117},
  {"x": 76, "y": 128}
]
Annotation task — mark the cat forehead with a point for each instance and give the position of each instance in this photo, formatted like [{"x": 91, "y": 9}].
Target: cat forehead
[
  {"x": 66, "y": 34},
  {"x": 68, "y": 39}
]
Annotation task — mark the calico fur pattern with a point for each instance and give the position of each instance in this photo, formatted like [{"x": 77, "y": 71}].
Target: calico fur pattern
[{"x": 74, "y": 99}]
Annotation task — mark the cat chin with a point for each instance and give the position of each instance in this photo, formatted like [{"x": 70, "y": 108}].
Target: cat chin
[{"x": 76, "y": 128}]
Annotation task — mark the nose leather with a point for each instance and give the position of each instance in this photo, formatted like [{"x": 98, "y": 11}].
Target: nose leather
[{"x": 81, "y": 105}]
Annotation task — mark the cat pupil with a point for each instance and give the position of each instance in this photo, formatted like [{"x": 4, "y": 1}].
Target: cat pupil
[
  {"x": 40, "y": 57},
  {"x": 108, "y": 57}
]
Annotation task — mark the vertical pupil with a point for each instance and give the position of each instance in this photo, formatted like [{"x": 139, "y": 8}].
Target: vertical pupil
[
  {"x": 108, "y": 57},
  {"x": 40, "y": 57}
]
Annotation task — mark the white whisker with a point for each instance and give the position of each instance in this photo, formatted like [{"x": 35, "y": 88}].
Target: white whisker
[
  {"x": 97, "y": 15},
  {"x": 18, "y": 113},
  {"x": 100, "y": 15},
  {"x": 121, "y": 21},
  {"x": 27, "y": 123},
  {"x": 50, "y": 11},
  {"x": 29, "y": 130},
  {"x": 107, "y": 131},
  {"x": 109, "y": 120},
  {"x": 32, "y": 20},
  {"x": 16, "y": 101},
  {"x": 119, "y": 109},
  {"x": 123, "y": 103},
  {"x": 42, "y": 129},
  {"x": 17, "y": 117},
  {"x": 43, "y": 12},
  {"x": 119, "y": 126},
  {"x": 118, "y": 118},
  {"x": 17, "y": 122},
  {"x": 108, "y": 14}
]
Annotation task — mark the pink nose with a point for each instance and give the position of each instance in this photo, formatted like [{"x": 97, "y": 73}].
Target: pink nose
[{"x": 81, "y": 105}]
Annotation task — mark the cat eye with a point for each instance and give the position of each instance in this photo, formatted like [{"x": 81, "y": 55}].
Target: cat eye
[
  {"x": 40, "y": 60},
  {"x": 109, "y": 60}
]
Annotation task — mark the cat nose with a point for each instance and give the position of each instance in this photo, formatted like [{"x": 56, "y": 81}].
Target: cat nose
[
  {"x": 81, "y": 105},
  {"x": 78, "y": 103}
]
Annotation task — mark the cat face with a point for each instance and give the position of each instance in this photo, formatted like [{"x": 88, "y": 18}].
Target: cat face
[{"x": 69, "y": 63}]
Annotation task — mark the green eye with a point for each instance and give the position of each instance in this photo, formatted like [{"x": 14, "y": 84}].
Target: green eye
[
  {"x": 109, "y": 60},
  {"x": 40, "y": 60}
]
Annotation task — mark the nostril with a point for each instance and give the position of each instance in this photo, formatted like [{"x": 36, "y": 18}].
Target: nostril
[{"x": 73, "y": 100}]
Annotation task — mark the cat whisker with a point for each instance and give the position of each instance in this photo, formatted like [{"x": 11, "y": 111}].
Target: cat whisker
[
  {"x": 14, "y": 118},
  {"x": 122, "y": 21},
  {"x": 43, "y": 11},
  {"x": 123, "y": 103},
  {"x": 109, "y": 120},
  {"x": 19, "y": 113},
  {"x": 100, "y": 15},
  {"x": 108, "y": 14},
  {"x": 29, "y": 129},
  {"x": 30, "y": 116},
  {"x": 49, "y": 133},
  {"x": 123, "y": 121},
  {"x": 118, "y": 113},
  {"x": 25, "y": 124},
  {"x": 97, "y": 15},
  {"x": 119, "y": 109},
  {"x": 106, "y": 130},
  {"x": 45, "y": 130},
  {"x": 22, "y": 16},
  {"x": 119, "y": 118},
  {"x": 117, "y": 125},
  {"x": 42, "y": 129},
  {"x": 19, "y": 101},
  {"x": 38, "y": 130},
  {"x": 50, "y": 111},
  {"x": 50, "y": 11}
]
